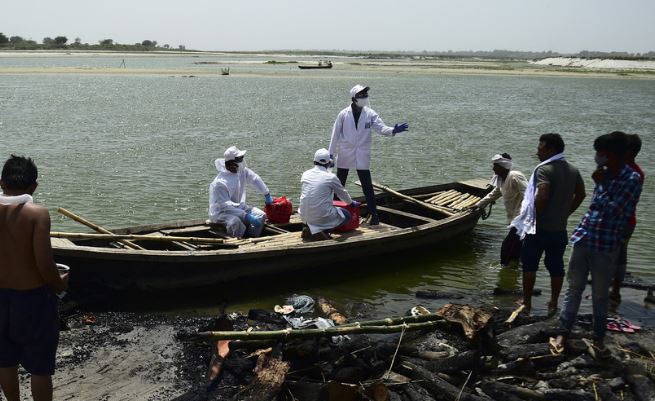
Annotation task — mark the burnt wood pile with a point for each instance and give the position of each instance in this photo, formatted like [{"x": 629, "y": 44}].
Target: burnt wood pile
[{"x": 486, "y": 360}]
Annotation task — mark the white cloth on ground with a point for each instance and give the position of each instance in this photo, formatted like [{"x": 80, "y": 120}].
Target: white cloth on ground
[
  {"x": 526, "y": 222},
  {"x": 318, "y": 187}
]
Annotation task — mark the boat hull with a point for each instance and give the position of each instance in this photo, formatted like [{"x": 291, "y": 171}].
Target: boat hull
[{"x": 93, "y": 267}]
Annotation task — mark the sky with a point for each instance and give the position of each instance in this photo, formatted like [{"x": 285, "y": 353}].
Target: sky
[{"x": 565, "y": 26}]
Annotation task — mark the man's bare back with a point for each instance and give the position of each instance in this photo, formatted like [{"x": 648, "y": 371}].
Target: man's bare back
[{"x": 26, "y": 260}]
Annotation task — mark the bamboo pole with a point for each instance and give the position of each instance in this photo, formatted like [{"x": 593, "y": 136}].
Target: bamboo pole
[
  {"x": 440, "y": 195},
  {"x": 96, "y": 227},
  {"x": 390, "y": 321},
  {"x": 447, "y": 199},
  {"x": 443, "y": 196},
  {"x": 313, "y": 333},
  {"x": 425, "y": 205},
  {"x": 135, "y": 237}
]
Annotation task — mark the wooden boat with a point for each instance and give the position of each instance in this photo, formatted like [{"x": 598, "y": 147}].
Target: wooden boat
[
  {"x": 410, "y": 218},
  {"x": 320, "y": 65}
]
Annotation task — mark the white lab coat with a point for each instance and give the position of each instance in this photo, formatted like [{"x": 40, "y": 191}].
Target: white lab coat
[
  {"x": 353, "y": 145},
  {"x": 317, "y": 192},
  {"x": 227, "y": 199}
]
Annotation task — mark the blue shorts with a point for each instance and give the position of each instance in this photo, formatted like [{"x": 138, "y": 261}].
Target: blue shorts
[
  {"x": 552, "y": 243},
  {"x": 29, "y": 329}
]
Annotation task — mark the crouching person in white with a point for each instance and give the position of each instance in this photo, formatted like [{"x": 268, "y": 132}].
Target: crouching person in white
[
  {"x": 227, "y": 196},
  {"x": 319, "y": 186}
]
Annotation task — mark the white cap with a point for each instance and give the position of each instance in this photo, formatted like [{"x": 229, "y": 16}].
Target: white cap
[
  {"x": 356, "y": 89},
  {"x": 232, "y": 153},
  {"x": 322, "y": 156}
]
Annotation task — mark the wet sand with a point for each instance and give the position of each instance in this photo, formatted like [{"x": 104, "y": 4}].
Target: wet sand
[{"x": 120, "y": 357}]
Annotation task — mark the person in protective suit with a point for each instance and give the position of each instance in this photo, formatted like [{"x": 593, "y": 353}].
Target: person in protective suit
[
  {"x": 227, "y": 196},
  {"x": 351, "y": 142},
  {"x": 316, "y": 209}
]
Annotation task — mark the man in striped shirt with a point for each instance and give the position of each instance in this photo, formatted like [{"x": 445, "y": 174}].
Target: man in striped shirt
[{"x": 598, "y": 237}]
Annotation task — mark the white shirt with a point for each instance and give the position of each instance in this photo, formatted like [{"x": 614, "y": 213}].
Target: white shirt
[
  {"x": 511, "y": 190},
  {"x": 352, "y": 144},
  {"x": 317, "y": 192},
  {"x": 227, "y": 193}
]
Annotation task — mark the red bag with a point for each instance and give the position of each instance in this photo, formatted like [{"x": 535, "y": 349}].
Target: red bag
[
  {"x": 354, "y": 220},
  {"x": 279, "y": 211}
]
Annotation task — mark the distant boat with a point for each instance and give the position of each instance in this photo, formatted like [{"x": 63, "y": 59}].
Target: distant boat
[
  {"x": 320, "y": 65},
  {"x": 225, "y": 71}
]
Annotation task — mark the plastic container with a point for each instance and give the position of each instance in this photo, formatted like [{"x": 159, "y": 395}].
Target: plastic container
[
  {"x": 354, "y": 219},
  {"x": 279, "y": 212}
]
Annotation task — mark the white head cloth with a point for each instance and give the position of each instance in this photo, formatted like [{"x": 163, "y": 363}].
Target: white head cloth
[
  {"x": 497, "y": 181},
  {"x": 502, "y": 162}
]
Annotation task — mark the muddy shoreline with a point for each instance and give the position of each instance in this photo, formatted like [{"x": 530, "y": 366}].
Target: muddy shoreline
[{"x": 150, "y": 356}]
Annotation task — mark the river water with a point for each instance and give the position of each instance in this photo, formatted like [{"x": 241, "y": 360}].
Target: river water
[{"x": 136, "y": 146}]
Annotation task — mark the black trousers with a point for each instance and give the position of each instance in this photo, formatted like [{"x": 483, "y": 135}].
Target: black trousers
[
  {"x": 511, "y": 248},
  {"x": 367, "y": 187}
]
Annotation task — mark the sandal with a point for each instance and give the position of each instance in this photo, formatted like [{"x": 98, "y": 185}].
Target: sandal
[
  {"x": 613, "y": 326},
  {"x": 599, "y": 353},
  {"x": 555, "y": 347},
  {"x": 552, "y": 310},
  {"x": 625, "y": 323}
]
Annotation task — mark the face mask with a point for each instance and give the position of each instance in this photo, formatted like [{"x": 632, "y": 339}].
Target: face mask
[
  {"x": 600, "y": 160},
  {"x": 232, "y": 166},
  {"x": 361, "y": 101}
]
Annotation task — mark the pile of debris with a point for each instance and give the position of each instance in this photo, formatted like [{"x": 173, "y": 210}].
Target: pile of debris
[{"x": 456, "y": 353}]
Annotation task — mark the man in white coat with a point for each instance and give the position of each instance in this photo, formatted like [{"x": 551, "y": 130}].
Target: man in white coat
[
  {"x": 227, "y": 196},
  {"x": 351, "y": 142},
  {"x": 316, "y": 209}
]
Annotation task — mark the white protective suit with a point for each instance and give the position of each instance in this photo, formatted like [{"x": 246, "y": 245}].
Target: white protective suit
[
  {"x": 227, "y": 199},
  {"x": 317, "y": 192},
  {"x": 353, "y": 145}
]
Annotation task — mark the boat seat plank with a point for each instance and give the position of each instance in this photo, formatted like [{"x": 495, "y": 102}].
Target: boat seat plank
[
  {"x": 406, "y": 214},
  {"x": 186, "y": 231},
  {"x": 62, "y": 242},
  {"x": 179, "y": 244}
]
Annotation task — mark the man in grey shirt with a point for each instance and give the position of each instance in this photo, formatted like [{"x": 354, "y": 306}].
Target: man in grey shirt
[{"x": 559, "y": 192}]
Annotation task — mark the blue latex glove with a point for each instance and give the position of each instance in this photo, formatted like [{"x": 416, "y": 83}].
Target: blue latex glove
[
  {"x": 268, "y": 199},
  {"x": 253, "y": 221},
  {"x": 355, "y": 204},
  {"x": 331, "y": 161},
  {"x": 400, "y": 127}
]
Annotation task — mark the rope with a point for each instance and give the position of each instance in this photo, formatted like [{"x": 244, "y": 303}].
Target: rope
[{"x": 486, "y": 212}]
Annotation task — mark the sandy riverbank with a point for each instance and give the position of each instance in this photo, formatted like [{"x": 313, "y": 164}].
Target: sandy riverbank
[
  {"x": 598, "y": 64},
  {"x": 242, "y": 69},
  {"x": 210, "y": 64}
]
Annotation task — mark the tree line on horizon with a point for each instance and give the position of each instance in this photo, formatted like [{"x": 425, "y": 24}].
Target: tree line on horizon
[{"x": 61, "y": 42}]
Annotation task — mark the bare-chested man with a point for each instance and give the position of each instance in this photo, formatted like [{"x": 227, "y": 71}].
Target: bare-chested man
[{"x": 29, "y": 325}]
